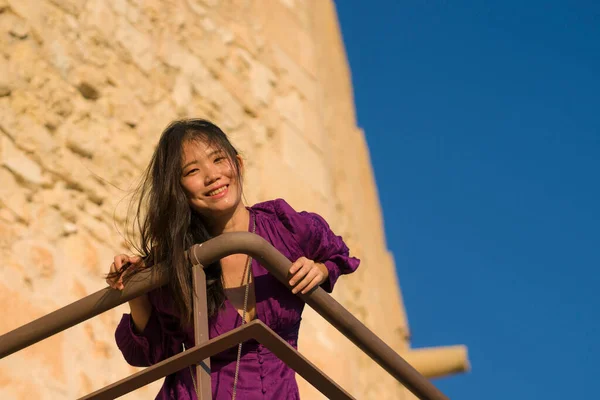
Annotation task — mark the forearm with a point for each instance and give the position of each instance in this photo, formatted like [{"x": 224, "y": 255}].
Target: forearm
[{"x": 141, "y": 309}]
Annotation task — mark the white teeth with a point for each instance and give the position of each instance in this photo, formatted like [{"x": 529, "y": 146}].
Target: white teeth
[{"x": 217, "y": 191}]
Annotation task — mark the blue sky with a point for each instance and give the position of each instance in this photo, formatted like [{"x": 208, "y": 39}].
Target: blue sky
[{"x": 483, "y": 122}]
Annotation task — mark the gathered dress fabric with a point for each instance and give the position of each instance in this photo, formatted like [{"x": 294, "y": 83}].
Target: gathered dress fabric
[{"x": 262, "y": 375}]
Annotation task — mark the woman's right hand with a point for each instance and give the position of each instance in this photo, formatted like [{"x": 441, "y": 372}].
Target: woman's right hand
[
  {"x": 117, "y": 272},
  {"x": 140, "y": 306}
]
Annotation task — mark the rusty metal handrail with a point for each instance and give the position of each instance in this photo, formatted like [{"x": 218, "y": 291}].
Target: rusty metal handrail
[
  {"x": 77, "y": 312},
  {"x": 231, "y": 243}
]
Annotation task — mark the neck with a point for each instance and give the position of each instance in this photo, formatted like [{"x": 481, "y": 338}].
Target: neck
[{"x": 236, "y": 221}]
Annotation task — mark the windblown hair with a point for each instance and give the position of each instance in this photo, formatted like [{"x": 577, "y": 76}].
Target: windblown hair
[{"x": 167, "y": 225}]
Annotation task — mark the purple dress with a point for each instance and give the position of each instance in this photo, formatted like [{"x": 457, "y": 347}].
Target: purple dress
[{"x": 262, "y": 375}]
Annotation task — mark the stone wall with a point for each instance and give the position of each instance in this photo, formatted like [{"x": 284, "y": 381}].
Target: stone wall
[{"x": 86, "y": 86}]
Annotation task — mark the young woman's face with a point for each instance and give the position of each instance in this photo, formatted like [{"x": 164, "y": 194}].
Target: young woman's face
[{"x": 209, "y": 179}]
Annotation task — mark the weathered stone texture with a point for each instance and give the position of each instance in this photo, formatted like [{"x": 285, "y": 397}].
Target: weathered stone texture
[{"x": 86, "y": 86}]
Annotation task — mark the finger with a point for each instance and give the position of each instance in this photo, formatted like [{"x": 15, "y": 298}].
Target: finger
[
  {"x": 312, "y": 284},
  {"x": 297, "y": 265},
  {"x": 111, "y": 270},
  {"x": 116, "y": 268},
  {"x": 134, "y": 259},
  {"x": 111, "y": 280},
  {"x": 115, "y": 284},
  {"x": 300, "y": 274},
  {"x": 112, "y": 283},
  {"x": 118, "y": 261},
  {"x": 304, "y": 282}
]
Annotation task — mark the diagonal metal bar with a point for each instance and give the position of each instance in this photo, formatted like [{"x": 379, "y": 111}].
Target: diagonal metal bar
[
  {"x": 173, "y": 364},
  {"x": 253, "y": 330},
  {"x": 295, "y": 360}
]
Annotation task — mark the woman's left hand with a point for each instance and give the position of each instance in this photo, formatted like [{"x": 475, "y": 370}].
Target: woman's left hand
[{"x": 307, "y": 274}]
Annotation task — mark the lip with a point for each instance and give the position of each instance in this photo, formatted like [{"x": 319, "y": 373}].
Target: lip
[{"x": 218, "y": 195}]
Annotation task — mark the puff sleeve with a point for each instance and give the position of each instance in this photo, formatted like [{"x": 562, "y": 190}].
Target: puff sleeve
[
  {"x": 160, "y": 339},
  {"x": 318, "y": 242}
]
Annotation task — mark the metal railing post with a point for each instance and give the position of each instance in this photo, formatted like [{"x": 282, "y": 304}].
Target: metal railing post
[{"x": 203, "y": 380}]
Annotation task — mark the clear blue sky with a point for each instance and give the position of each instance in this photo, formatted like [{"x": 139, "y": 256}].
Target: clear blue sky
[{"x": 483, "y": 122}]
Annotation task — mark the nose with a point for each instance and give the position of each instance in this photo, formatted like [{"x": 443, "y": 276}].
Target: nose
[{"x": 212, "y": 175}]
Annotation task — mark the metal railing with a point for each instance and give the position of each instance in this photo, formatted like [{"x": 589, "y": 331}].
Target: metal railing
[{"x": 215, "y": 249}]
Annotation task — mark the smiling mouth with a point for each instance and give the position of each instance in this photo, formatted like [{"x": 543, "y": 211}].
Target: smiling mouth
[{"x": 217, "y": 191}]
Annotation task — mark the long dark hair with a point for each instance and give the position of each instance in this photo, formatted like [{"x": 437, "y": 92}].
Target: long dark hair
[{"x": 166, "y": 224}]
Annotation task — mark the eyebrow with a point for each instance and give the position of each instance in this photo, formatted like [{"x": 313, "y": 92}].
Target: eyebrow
[
  {"x": 216, "y": 151},
  {"x": 188, "y": 164}
]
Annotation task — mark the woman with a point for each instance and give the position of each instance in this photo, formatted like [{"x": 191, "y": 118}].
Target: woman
[{"x": 192, "y": 191}]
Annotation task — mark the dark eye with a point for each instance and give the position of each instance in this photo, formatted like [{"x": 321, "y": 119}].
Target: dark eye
[
  {"x": 191, "y": 171},
  {"x": 219, "y": 159}
]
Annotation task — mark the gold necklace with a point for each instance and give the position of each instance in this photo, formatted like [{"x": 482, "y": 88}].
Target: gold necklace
[{"x": 239, "y": 354}]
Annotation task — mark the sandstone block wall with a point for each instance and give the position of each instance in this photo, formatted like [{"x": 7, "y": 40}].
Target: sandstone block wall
[{"x": 86, "y": 86}]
